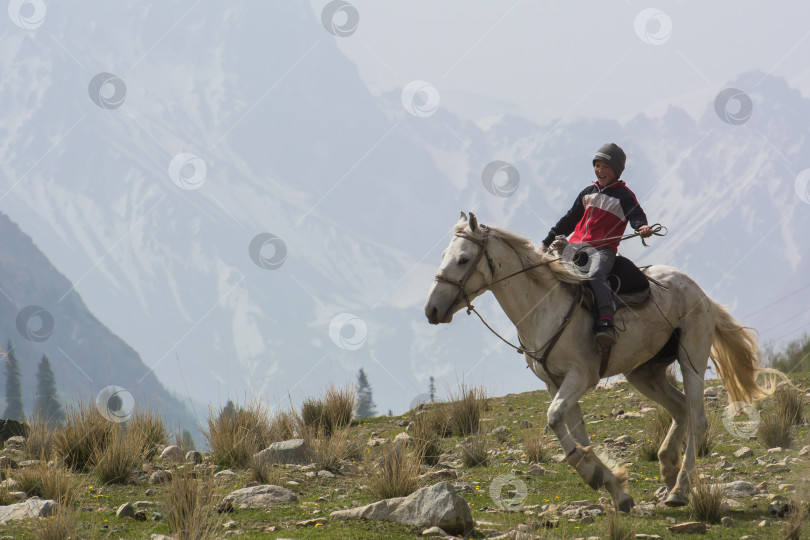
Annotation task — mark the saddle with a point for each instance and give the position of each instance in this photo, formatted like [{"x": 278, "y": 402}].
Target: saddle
[{"x": 629, "y": 283}]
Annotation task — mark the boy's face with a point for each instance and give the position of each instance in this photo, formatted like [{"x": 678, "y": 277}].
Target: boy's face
[{"x": 604, "y": 174}]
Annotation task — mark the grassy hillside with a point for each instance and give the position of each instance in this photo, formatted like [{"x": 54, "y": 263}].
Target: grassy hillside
[{"x": 610, "y": 413}]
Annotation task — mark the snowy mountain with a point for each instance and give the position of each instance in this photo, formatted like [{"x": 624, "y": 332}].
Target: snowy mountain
[{"x": 228, "y": 197}]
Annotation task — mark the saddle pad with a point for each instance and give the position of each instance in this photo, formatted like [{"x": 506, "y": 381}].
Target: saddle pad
[{"x": 626, "y": 278}]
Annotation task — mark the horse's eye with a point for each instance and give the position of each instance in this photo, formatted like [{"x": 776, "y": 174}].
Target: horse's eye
[{"x": 463, "y": 261}]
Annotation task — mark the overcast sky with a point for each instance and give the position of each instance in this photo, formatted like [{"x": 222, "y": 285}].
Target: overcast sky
[{"x": 576, "y": 59}]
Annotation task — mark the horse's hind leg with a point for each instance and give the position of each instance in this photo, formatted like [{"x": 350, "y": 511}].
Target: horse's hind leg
[
  {"x": 589, "y": 467},
  {"x": 651, "y": 380}
]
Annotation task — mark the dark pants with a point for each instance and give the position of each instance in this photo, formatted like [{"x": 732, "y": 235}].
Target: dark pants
[{"x": 602, "y": 294}]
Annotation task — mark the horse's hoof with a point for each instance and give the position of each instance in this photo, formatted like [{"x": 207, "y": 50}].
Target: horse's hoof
[
  {"x": 675, "y": 500},
  {"x": 626, "y": 504}
]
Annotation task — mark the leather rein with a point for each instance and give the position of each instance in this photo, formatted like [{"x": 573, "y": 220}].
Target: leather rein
[{"x": 461, "y": 283}]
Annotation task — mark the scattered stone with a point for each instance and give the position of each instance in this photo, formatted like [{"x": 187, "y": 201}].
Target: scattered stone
[
  {"x": 733, "y": 505},
  {"x": 192, "y": 456},
  {"x": 786, "y": 487},
  {"x": 126, "y": 510},
  {"x": 156, "y": 536},
  {"x": 774, "y": 450},
  {"x": 536, "y": 470},
  {"x": 624, "y": 439},
  {"x": 500, "y": 431},
  {"x": 441, "y": 474},
  {"x": 376, "y": 441},
  {"x": 525, "y": 424},
  {"x": 711, "y": 391},
  {"x": 149, "y": 492},
  {"x": 326, "y": 474},
  {"x": 224, "y": 473},
  {"x": 726, "y": 521},
  {"x": 744, "y": 452},
  {"x": 779, "y": 467},
  {"x": 261, "y": 496},
  {"x": 402, "y": 438},
  {"x": 804, "y": 451},
  {"x": 144, "y": 505},
  {"x": 173, "y": 454},
  {"x": 463, "y": 487},
  {"x": 15, "y": 443},
  {"x": 402, "y": 422},
  {"x": 312, "y": 522},
  {"x": 160, "y": 477},
  {"x": 140, "y": 515},
  {"x": 436, "y": 505},
  {"x": 646, "y": 536},
  {"x": 740, "y": 488},
  {"x": 762, "y": 486},
  {"x": 293, "y": 451},
  {"x": 434, "y": 531},
  {"x": 763, "y": 523},
  {"x": 690, "y": 527},
  {"x": 29, "y": 463}
]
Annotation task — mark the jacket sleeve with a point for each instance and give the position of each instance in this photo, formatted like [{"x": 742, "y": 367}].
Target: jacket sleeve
[
  {"x": 568, "y": 222},
  {"x": 632, "y": 210}
]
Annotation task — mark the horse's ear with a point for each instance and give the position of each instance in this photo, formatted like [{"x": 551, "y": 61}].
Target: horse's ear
[
  {"x": 473, "y": 222},
  {"x": 463, "y": 217}
]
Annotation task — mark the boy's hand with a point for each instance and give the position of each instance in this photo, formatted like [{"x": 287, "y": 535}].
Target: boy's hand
[
  {"x": 645, "y": 231},
  {"x": 542, "y": 248}
]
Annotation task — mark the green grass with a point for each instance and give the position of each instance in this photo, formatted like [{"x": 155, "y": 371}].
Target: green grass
[{"x": 96, "y": 504}]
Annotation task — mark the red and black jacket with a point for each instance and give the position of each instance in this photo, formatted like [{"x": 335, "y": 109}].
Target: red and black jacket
[{"x": 599, "y": 213}]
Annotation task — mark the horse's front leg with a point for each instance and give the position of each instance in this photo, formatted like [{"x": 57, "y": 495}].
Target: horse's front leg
[
  {"x": 573, "y": 420},
  {"x": 589, "y": 467}
]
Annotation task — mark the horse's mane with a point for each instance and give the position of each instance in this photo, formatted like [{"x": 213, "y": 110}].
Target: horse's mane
[{"x": 529, "y": 256}]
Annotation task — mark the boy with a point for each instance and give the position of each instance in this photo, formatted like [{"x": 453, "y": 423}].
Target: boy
[{"x": 599, "y": 217}]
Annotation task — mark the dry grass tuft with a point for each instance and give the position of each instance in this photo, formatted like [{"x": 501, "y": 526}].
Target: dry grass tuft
[
  {"x": 283, "y": 426},
  {"x": 618, "y": 527},
  {"x": 474, "y": 451},
  {"x": 63, "y": 525},
  {"x": 465, "y": 410},
  {"x": 315, "y": 417},
  {"x": 85, "y": 429},
  {"x": 775, "y": 429},
  {"x": 655, "y": 432},
  {"x": 789, "y": 403},
  {"x": 47, "y": 482},
  {"x": 114, "y": 462},
  {"x": 330, "y": 452},
  {"x": 339, "y": 404},
  {"x": 706, "y": 501},
  {"x": 148, "y": 427},
  {"x": 427, "y": 430},
  {"x": 189, "y": 507},
  {"x": 534, "y": 445},
  {"x": 796, "y": 518},
  {"x": 236, "y": 435},
  {"x": 396, "y": 476},
  {"x": 39, "y": 444}
]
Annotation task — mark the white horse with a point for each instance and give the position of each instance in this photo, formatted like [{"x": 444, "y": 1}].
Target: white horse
[{"x": 679, "y": 322}]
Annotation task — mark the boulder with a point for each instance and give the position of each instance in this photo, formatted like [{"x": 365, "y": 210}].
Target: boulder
[
  {"x": 433, "y": 506},
  {"x": 32, "y": 508},
  {"x": 740, "y": 488},
  {"x": 293, "y": 451},
  {"x": 160, "y": 477},
  {"x": 125, "y": 510},
  {"x": 173, "y": 454},
  {"x": 192, "y": 456},
  {"x": 260, "y": 496}
]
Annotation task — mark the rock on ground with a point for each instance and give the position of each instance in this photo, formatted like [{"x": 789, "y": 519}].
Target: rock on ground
[
  {"x": 740, "y": 488},
  {"x": 293, "y": 451},
  {"x": 32, "y": 508},
  {"x": 173, "y": 454},
  {"x": 260, "y": 496},
  {"x": 438, "y": 505},
  {"x": 690, "y": 527}
]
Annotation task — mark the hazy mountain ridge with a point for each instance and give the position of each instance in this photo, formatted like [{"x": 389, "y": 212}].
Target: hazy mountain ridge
[{"x": 362, "y": 193}]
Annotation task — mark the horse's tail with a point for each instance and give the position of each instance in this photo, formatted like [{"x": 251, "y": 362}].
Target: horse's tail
[{"x": 735, "y": 355}]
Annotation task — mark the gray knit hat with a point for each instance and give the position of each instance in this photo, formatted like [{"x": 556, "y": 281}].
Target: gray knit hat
[{"x": 613, "y": 155}]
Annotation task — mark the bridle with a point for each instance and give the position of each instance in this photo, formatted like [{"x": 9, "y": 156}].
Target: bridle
[{"x": 462, "y": 294}]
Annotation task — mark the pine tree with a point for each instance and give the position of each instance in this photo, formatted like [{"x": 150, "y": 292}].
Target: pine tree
[
  {"x": 14, "y": 405},
  {"x": 228, "y": 411},
  {"x": 365, "y": 401},
  {"x": 46, "y": 406},
  {"x": 432, "y": 390}
]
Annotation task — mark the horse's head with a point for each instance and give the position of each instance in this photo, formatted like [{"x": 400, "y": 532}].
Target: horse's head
[{"x": 463, "y": 274}]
